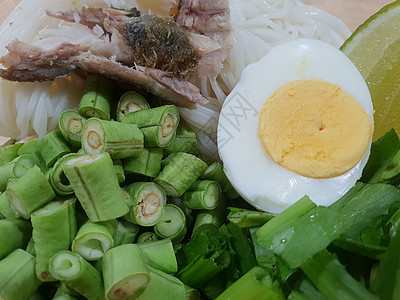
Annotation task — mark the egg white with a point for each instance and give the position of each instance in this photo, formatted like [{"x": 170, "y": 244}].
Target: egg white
[{"x": 257, "y": 178}]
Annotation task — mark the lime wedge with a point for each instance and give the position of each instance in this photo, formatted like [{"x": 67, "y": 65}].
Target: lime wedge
[{"x": 375, "y": 49}]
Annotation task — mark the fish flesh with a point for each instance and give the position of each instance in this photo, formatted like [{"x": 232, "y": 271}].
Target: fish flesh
[
  {"x": 27, "y": 62},
  {"x": 94, "y": 41},
  {"x": 210, "y": 18}
]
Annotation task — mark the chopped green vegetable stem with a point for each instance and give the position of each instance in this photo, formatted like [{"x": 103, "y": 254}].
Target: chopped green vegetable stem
[
  {"x": 77, "y": 274},
  {"x": 29, "y": 192},
  {"x": 93, "y": 240},
  {"x": 117, "y": 139},
  {"x": 14, "y": 233},
  {"x": 18, "y": 280},
  {"x": 54, "y": 227},
  {"x": 130, "y": 102},
  {"x": 71, "y": 126},
  {"x": 95, "y": 183},
  {"x": 97, "y": 95},
  {"x": 125, "y": 272},
  {"x": 181, "y": 171}
]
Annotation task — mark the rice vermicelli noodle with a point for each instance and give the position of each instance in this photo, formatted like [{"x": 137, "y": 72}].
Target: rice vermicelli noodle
[{"x": 34, "y": 108}]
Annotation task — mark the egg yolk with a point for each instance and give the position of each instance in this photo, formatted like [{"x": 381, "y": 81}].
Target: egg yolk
[{"x": 314, "y": 128}]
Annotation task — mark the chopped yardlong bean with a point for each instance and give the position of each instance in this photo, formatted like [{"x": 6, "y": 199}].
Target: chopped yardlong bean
[
  {"x": 126, "y": 233},
  {"x": 148, "y": 200},
  {"x": 118, "y": 139},
  {"x": 9, "y": 151},
  {"x": 78, "y": 274},
  {"x": 65, "y": 293},
  {"x": 96, "y": 185},
  {"x": 181, "y": 171},
  {"x": 52, "y": 147},
  {"x": 57, "y": 177},
  {"x": 192, "y": 294},
  {"x": 71, "y": 125},
  {"x": 29, "y": 192},
  {"x": 96, "y": 98},
  {"x": 125, "y": 272},
  {"x": 32, "y": 148},
  {"x": 203, "y": 194},
  {"x": 160, "y": 255},
  {"x": 14, "y": 233},
  {"x": 172, "y": 224},
  {"x": 93, "y": 240},
  {"x": 184, "y": 141},
  {"x": 18, "y": 280},
  {"x": 147, "y": 163},
  {"x": 147, "y": 237},
  {"x": 210, "y": 220},
  {"x": 163, "y": 286},
  {"x": 158, "y": 124},
  {"x": 31, "y": 247},
  {"x": 15, "y": 168},
  {"x": 54, "y": 227},
  {"x": 6, "y": 212},
  {"x": 130, "y": 102},
  {"x": 119, "y": 170},
  {"x": 188, "y": 212},
  {"x": 215, "y": 171}
]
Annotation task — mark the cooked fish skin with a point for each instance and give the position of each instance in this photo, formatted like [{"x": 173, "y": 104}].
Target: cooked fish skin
[
  {"x": 160, "y": 43},
  {"x": 115, "y": 22},
  {"x": 26, "y": 62}
]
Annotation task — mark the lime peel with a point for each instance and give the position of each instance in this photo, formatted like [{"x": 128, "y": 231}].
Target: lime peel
[{"x": 373, "y": 48}]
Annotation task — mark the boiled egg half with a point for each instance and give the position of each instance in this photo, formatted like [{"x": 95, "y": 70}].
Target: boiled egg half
[{"x": 299, "y": 123}]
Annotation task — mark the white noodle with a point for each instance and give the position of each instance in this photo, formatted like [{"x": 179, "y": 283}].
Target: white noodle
[{"x": 257, "y": 27}]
